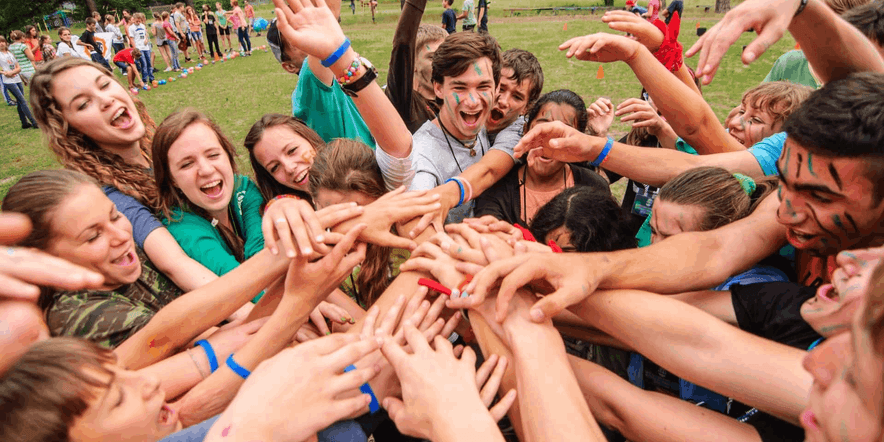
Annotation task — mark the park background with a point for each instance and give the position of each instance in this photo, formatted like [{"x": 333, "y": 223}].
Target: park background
[{"x": 238, "y": 92}]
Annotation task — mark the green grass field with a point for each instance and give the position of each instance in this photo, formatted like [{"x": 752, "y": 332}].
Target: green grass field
[{"x": 236, "y": 93}]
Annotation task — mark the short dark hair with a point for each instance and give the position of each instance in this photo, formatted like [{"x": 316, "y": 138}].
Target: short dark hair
[
  {"x": 844, "y": 119},
  {"x": 90, "y": 21},
  {"x": 869, "y": 19},
  {"x": 561, "y": 96},
  {"x": 592, "y": 216},
  {"x": 458, "y": 51},
  {"x": 524, "y": 65}
]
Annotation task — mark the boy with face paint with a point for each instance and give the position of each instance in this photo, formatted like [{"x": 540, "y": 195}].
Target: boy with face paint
[
  {"x": 466, "y": 71},
  {"x": 836, "y": 132}
]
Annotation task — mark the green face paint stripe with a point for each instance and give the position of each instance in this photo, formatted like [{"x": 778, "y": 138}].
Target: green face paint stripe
[
  {"x": 477, "y": 68},
  {"x": 810, "y": 164},
  {"x": 456, "y": 98},
  {"x": 837, "y": 220},
  {"x": 471, "y": 98},
  {"x": 785, "y": 170},
  {"x": 448, "y": 105},
  {"x": 428, "y": 48}
]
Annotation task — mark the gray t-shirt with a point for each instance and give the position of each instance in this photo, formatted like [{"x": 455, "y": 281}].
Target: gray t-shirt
[
  {"x": 508, "y": 137},
  {"x": 438, "y": 157}
]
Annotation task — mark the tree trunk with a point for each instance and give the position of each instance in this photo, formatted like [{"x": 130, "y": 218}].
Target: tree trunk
[
  {"x": 722, "y": 6},
  {"x": 90, "y": 5}
]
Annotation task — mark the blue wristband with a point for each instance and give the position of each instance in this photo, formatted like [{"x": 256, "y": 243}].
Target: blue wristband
[
  {"x": 460, "y": 186},
  {"x": 374, "y": 405},
  {"x": 337, "y": 53},
  {"x": 238, "y": 369},
  {"x": 210, "y": 353},
  {"x": 601, "y": 158}
]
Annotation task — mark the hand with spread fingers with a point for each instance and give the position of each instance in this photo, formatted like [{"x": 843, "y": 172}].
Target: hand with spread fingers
[
  {"x": 331, "y": 311},
  {"x": 558, "y": 141},
  {"x": 490, "y": 224},
  {"x": 319, "y": 278},
  {"x": 769, "y": 18},
  {"x": 310, "y": 26},
  {"x": 318, "y": 393},
  {"x": 433, "y": 380},
  {"x": 395, "y": 207},
  {"x": 601, "y": 48},
  {"x": 600, "y": 116},
  {"x": 642, "y": 114},
  {"x": 293, "y": 223},
  {"x": 642, "y": 30}
]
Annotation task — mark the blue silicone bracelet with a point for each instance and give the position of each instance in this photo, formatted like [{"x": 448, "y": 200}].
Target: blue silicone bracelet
[
  {"x": 337, "y": 53},
  {"x": 374, "y": 405},
  {"x": 210, "y": 353},
  {"x": 238, "y": 369},
  {"x": 460, "y": 186},
  {"x": 598, "y": 161}
]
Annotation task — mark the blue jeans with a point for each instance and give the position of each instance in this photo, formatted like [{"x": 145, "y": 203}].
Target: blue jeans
[
  {"x": 96, "y": 57},
  {"x": 24, "y": 112},
  {"x": 173, "y": 48},
  {"x": 6, "y": 93},
  {"x": 145, "y": 67},
  {"x": 117, "y": 47},
  {"x": 244, "y": 41}
]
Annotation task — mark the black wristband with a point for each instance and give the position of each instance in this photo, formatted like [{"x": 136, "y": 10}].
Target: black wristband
[{"x": 801, "y": 7}]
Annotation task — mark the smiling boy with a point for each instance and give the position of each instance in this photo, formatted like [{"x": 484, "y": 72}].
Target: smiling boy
[{"x": 466, "y": 70}]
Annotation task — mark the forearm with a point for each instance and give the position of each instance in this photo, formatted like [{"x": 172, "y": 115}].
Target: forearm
[
  {"x": 489, "y": 170},
  {"x": 833, "y": 47},
  {"x": 703, "y": 350},
  {"x": 179, "y": 373},
  {"x": 684, "y": 109},
  {"x": 211, "y": 396},
  {"x": 190, "y": 314},
  {"x": 548, "y": 391},
  {"x": 466, "y": 421},
  {"x": 623, "y": 407}
]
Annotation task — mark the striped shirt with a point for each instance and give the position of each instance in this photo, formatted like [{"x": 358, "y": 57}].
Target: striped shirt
[{"x": 18, "y": 49}]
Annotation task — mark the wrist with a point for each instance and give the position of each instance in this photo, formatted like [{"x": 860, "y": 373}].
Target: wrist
[{"x": 472, "y": 419}]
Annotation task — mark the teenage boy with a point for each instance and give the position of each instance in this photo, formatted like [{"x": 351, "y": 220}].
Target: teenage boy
[
  {"x": 466, "y": 71},
  {"x": 124, "y": 27},
  {"x": 409, "y": 84},
  {"x": 87, "y": 40},
  {"x": 126, "y": 60},
  {"x": 449, "y": 18},
  {"x": 482, "y": 15},
  {"x": 467, "y": 14},
  {"x": 138, "y": 37},
  {"x": 182, "y": 27},
  {"x": 521, "y": 81},
  {"x": 830, "y": 198}
]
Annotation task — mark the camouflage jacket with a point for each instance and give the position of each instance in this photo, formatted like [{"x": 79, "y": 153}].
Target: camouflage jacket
[{"x": 109, "y": 317}]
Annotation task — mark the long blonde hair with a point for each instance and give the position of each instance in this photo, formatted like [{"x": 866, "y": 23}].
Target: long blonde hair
[{"x": 78, "y": 152}]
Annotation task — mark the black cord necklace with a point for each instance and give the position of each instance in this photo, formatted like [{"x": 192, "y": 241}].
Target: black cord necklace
[
  {"x": 524, "y": 185},
  {"x": 446, "y": 134}
]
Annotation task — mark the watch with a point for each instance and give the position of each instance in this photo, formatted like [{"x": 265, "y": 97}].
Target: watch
[{"x": 371, "y": 73}]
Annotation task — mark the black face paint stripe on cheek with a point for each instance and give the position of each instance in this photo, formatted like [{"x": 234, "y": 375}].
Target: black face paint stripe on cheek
[
  {"x": 817, "y": 221},
  {"x": 798, "y": 173},
  {"x": 851, "y": 221}
]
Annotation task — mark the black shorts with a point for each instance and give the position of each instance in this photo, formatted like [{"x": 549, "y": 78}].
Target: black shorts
[
  {"x": 468, "y": 28},
  {"x": 224, "y": 31}
]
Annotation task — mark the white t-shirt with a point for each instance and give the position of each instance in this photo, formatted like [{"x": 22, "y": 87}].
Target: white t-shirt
[
  {"x": 139, "y": 34},
  {"x": 7, "y": 63},
  {"x": 74, "y": 49}
]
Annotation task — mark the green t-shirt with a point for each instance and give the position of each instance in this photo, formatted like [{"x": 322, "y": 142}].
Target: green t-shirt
[
  {"x": 222, "y": 20},
  {"x": 204, "y": 243},
  {"x": 470, "y": 19},
  {"x": 328, "y": 110},
  {"x": 110, "y": 317},
  {"x": 792, "y": 66}
]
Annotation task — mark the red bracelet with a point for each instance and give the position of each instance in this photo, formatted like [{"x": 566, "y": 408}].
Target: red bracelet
[
  {"x": 277, "y": 198},
  {"x": 526, "y": 234},
  {"x": 435, "y": 286}
]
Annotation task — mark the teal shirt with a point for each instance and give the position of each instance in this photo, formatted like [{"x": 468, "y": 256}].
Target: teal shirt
[
  {"x": 792, "y": 66},
  {"x": 203, "y": 242},
  {"x": 328, "y": 110}
]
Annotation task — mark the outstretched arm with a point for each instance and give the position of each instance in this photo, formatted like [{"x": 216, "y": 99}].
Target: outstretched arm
[
  {"x": 702, "y": 349},
  {"x": 685, "y": 110},
  {"x": 314, "y": 30}
]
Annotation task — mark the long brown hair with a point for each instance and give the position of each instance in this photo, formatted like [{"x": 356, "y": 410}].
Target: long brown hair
[
  {"x": 718, "y": 192},
  {"x": 37, "y": 195},
  {"x": 49, "y": 387},
  {"x": 266, "y": 183},
  {"x": 170, "y": 196},
  {"x": 78, "y": 152},
  {"x": 345, "y": 166}
]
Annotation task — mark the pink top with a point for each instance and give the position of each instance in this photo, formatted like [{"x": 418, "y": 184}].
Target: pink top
[
  {"x": 234, "y": 19},
  {"x": 655, "y": 5}
]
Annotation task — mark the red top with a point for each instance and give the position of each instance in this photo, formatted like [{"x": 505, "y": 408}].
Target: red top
[
  {"x": 125, "y": 56},
  {"x": 34, "y": 45}
]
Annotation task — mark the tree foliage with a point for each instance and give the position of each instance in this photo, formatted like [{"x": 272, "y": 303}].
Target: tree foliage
[{"x": 16, "y": 14}]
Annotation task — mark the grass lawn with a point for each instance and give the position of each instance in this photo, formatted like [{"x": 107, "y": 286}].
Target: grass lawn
[{"x": 236, "y": 93}]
